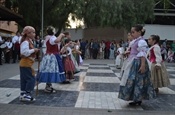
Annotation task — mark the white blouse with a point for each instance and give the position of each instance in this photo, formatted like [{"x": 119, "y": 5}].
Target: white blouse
[
  {"x": 157, "y": 53},
  {"x": 142, "y": 48},
  {"x": 24, "y": 49}
]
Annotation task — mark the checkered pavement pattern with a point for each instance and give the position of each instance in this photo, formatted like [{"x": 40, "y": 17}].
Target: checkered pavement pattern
[{"x": 96, "y": 86}]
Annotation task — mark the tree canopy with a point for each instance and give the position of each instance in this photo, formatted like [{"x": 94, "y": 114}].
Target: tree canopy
[{"x": 95, "y": 13}]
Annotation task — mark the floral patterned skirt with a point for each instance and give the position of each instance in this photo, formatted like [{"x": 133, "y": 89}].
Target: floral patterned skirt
[
  {"x": 138, "y": 85},
  {"x": 51, "y": 69}
]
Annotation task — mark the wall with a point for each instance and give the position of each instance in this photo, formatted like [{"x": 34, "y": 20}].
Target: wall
[
  {"x": 8, "y": 28},
  {"x": 164, "y": 31},
  {"x": 107, "y": 33},
  {"x": 75, "y": 33}
]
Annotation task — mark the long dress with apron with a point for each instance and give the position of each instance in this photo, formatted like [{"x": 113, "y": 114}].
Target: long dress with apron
[
  {"x": 135, "y": 85},
  {"x": 51, "y": 67},
  {"x": 69, "y": 66},
  {"x": 159, "y": 76}
]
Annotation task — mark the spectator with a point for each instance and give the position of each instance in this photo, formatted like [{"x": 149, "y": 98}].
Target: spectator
[{"x": 1, "y": 41}]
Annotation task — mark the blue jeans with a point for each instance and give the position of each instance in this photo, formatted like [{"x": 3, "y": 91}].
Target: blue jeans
[{"x": 27, "y": 80}]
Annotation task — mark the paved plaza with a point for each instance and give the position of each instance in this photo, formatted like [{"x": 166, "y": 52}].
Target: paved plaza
[{"x": 94, "y": 92}]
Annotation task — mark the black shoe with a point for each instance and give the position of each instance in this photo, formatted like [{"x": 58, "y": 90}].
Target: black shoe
[
  {"x": 0, "y": 63},
  {"x": 66, "y": 82},
  {"x": 135, "y": 103},
  {"x": 156, "y": 90},
  {"x": 50, "y": 90}
]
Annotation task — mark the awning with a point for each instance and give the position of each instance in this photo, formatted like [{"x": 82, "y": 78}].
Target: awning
[{"x": 8, "y": 15}]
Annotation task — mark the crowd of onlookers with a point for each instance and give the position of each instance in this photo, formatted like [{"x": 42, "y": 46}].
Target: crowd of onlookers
[
  {"x": 90, "y": 49},
  {"x": 106, "y": 49},
  {"x": 10, "y": 48}
]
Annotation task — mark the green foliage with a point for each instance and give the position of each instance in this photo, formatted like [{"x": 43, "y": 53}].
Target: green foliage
[
  {"x": 115, "y": 13},
  {"x": 95, "y": 13}
]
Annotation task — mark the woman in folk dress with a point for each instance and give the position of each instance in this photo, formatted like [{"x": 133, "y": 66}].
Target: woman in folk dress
[{"x": 51, "y": 68}]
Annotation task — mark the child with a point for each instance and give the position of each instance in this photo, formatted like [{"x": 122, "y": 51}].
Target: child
[
  {"x": 51, "y": 67},
  {"x": 27, "y": 74},
  {"x": 67, "y": 61},
  {"x": 119, "y": 57},
  {"x": 136, "y": 82},
  {"x": 159, "y": 73}
]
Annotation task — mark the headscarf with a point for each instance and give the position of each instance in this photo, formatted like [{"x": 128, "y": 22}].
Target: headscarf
[{"x": 26, "y": 30}]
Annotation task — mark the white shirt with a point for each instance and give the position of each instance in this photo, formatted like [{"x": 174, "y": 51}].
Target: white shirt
[
  {"x": 157, "y": 53},
  {"x": 16, "y": 39},
  {"x": 24, "y": 49},
  {"x": 1, "y": 39},
  {"x": 8, "y": 44},
  {"x": 142, "y": 48},
  {"x": 69, "y": 52}
]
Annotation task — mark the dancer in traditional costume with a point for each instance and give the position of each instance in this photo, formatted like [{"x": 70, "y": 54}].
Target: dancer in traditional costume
[
  {"x": 67, "y": 61},
  {"x": 51, "y": 67},
  {"x": 136, "y": 82},
  {"x": 27, "y": 74},
  {"x": 159, "y": 74}
]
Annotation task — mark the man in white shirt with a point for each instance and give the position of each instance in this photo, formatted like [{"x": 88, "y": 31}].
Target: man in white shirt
[
  {"x": 16, "y": 47},
  {"x": 1, "y": 41},
  {"x": 9, "y": 45}
]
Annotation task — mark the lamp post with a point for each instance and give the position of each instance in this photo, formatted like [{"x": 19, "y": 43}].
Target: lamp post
[{"x": 42, "y": 18}]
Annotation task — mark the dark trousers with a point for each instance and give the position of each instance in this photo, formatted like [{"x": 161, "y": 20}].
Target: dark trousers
[
  {"x": 0, "y": 56},
  {"x": 95, "y": 53},
  {"x": 15, "y": 55},
  {"x": 107, "y": 53},
  {"x": 83, "y": 54},
  {"x": 7, "y": 57},
  {"x": 27, "y": 80},
  {"x": 90, "y": 52}
]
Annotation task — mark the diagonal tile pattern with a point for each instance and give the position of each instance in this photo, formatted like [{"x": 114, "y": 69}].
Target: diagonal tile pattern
[{"x": 96, "y": 86}]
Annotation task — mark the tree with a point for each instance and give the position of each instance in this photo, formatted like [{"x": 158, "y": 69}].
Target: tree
[
  {"x": 95, "y": 13},
  {"x": 56, "y": 12},
  {"x": 115, "y": 13}
]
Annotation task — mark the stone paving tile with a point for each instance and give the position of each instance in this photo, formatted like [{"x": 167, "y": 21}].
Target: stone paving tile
[
  {"x": 116, "y": 71},
  {"x": 95, "y": 90},
  {"x": 172, "y": 87},
  {"x": 100, "y": 74},
  {"x": 97, "y": 64},
  {"x": 8, "y": 94},
  {"x": 172, "y": 76},
  {"x": 9, "y": 83},
  {"x": 99, "y": 71},
  {"x": 83, "y": 70},
  {"x": 171, "y": 72},
  {"x": 103, "y": 87},
  {"x": 163, "y": 102},
  {"x": 58, "y": 99},
  {"x": 97, "y": 79},
  {"x": 99, "y": 68}
]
